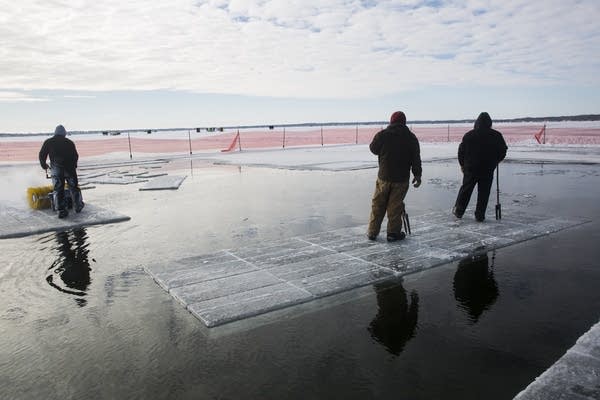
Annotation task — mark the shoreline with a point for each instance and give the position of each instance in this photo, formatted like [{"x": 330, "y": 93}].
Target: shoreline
[{"x": 17, "y": 150}]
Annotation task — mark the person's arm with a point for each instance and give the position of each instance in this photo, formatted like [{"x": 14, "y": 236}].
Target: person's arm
[
  {"x": 461, "y": 154},
  {"x": 75, "y": 156},
  {"x": 502, "y": 147},
  {"x": 43, "y": 155},
  {"x": 417, "y": 169},
  {"x": 376, "y": 143}
]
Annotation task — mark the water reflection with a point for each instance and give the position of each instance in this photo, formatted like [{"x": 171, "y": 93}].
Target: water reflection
[
  {"x": 475, "y": 287},
  {"x": 396, "y": 319},
  {"x": 72, "y": 265}
]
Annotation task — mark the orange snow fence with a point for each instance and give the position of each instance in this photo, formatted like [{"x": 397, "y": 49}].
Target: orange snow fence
[{"x": 232, "y": 145}]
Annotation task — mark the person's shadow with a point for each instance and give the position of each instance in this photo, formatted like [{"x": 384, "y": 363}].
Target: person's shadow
[
  {"x": 72, "y": 265},
  {"x": 396, "y": 319},
  {"x": 475, "y": 288}
]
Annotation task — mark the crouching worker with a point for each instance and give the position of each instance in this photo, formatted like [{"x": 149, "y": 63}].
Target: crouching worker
[
  {"x": 397, "y": 149},
  {"x": 63, "y": 165}
]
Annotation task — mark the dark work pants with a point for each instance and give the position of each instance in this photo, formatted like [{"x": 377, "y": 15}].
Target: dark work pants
[
  {"x": 59, "y": 176},
  {"x": 483, "y": 180}
]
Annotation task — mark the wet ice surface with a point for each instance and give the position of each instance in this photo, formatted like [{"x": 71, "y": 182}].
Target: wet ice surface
[
  {"x": 18, "y": 222},
  {"x": 80, "y": 318},
  {"x": 235, "y": 284}
]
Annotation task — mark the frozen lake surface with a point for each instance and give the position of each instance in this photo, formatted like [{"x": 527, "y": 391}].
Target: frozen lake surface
[{"x": 80, "y": 317}]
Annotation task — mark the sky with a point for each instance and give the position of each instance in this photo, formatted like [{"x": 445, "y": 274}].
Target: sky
[{"x": 113, "y": 64}]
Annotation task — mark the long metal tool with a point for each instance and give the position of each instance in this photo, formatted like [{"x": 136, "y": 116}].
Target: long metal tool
[
  {"x": 498, "y": 206},
  {"x": 406, "y": 223}
]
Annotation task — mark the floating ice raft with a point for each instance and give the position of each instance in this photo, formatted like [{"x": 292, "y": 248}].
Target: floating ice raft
[
  {"x": 235, "y": 284},
  {"x": 167, "y": 182},
  {"x": 573, "y": 376},
  {"x": 16, "y": 223}
]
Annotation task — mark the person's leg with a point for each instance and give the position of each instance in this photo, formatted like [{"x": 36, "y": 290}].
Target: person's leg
[
  {"x": 464, "y": 194},
  {"x": 395, "y": 207},
  {"x": 71, "y": 178},
  {"x": 378, "y": 207},
  {"x": 58, "y": 180},
  {"x": 484, "y": 186}
]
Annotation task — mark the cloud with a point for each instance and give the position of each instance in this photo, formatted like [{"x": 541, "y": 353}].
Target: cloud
[
  {"x": 297, "y": 48},
  {"x": 18, "y": 97},
  {"x": 78, "y": 96}
]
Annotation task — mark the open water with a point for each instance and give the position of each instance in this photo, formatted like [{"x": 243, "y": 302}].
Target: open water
[{"x": 80, "y": 319}]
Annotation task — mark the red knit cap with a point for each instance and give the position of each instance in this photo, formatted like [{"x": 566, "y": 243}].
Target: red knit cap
[{"x": 398, "y": 118}]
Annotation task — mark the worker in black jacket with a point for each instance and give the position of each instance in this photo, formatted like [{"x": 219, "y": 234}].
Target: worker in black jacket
[
  {"x": 480, "y": 151},
  {"x": 397, "y": 149},
  {"x": 63, "y": 165}
]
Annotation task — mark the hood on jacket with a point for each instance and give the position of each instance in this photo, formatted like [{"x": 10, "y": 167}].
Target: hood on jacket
[
  {"x": 60, "y": 131},
  {"x": 483, "y": 121}
]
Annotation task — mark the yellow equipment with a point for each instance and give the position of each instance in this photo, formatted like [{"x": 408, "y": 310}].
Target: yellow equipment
[{"x": 39, "y": 197}]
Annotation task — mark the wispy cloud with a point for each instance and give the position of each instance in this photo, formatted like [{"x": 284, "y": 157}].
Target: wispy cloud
[
  {"x": 78, "y": 96},
  {"x": 297, "y": 48},
  {"x": 18, "y": 97}
]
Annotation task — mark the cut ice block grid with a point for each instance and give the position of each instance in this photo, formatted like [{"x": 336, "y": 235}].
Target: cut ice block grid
[
  {"x": 16, "y": 223},
  {"x": 166, "y": 182},
  {"x": 234, "y": 284}
]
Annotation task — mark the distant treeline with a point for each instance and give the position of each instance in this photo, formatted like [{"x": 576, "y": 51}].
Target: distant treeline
[{"x": 584, "y": 117}]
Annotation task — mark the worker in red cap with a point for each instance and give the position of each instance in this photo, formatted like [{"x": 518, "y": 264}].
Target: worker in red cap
[{"x": 397, "y": 149}]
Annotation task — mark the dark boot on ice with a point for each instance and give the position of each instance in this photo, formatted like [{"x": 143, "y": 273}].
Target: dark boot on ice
[
  {"x": 456, "y": 213},
  {"x": 63, "y": 214},
  {"x": 392, "y": 237}
]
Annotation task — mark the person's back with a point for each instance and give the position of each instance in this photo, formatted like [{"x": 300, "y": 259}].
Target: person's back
[
  {"x": 62, "y": 152},
  {"x": 481, "y": 148},
  {"x": 397, "y": 149}
]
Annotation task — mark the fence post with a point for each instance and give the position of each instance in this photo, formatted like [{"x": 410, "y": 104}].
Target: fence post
[
  {"x": 321, "y": 135},
  {"x": 190, "y": 141},
  {"x": 129, "y": 140},
  {"x": 448, "y": 132},
  {"x": 284, "y": 137},
  {"x": 356, "y": 134},
  {"x": 239, "y": 140}
]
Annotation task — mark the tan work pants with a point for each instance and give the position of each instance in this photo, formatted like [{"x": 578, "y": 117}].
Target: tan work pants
[{"x": 388, "y": 197}]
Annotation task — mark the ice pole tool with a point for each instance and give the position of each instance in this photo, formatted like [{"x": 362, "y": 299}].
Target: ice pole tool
[{"x": 498, "y": 206}]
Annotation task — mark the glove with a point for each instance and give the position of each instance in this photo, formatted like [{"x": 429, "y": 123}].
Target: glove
[
  {"x": 44, "y": 166},
  {"x": 416, "y": 181}
]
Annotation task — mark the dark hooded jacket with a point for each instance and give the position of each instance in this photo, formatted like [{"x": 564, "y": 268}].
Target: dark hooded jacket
[
  {"x": 482, "y": 148},
  {"x": 62, "y": 152},
  {"x": 398, "y": 151}
]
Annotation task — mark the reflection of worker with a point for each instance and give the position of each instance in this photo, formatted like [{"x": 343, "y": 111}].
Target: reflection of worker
[
  {"x": 72, "y": 264},
  {"x": 474, "y": 286},
  {"x": 396, "y": 320},
  {"x": 397, "y": 150},
  {"x": 63, "y": 164}
]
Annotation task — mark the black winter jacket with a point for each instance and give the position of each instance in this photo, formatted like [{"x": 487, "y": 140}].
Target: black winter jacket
[
  {"x": 62, "y": 152},
  {"x": 398, "y": 152},
  {"x": 482, "y": 148}
]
